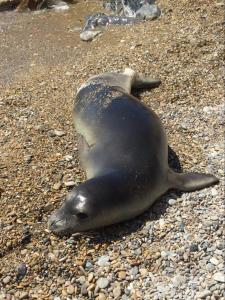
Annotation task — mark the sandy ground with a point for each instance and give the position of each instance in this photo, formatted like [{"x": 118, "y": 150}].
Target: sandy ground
[{"x": 43, "y": 62}]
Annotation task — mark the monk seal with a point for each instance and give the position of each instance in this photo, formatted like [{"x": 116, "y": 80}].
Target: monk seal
[{"x": 124, "y": 151}]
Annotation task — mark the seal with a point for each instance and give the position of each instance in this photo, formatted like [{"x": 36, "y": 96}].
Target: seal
[
  {"x": 124, "y": 151},
  {"x": 125, "y": 13}
]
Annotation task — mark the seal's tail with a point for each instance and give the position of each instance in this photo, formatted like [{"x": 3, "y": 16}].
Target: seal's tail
[
  {"x": 188, "y": 182},
  {"x": 139, "y": 81}
]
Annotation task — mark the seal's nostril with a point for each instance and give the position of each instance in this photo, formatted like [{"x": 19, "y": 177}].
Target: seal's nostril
[{"x": 82, "y": 215}]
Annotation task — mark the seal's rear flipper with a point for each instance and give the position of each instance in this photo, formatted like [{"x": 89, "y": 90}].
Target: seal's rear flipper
[
  {"x": 142, "y": 82},
  {"x": 188, "y": 182}
]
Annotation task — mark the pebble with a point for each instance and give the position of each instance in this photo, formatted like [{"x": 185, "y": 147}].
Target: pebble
[
  {"x": 102, "y": 282},
  {"x": 117, "y": 292},
  {"x": 172, "y": 202},
  {"x": 122, "y": 275},
  {"x": 56, "y": 132},
  {"x": 28, "y": 158},
  {"x": 194, "y": 248},
  {"x": 143, "y": 272},
  {"x": 6, "y": 280},
  {"x": 219, "y": 276},
  {"x": 101, "y": 296},
  {"x": 24, "y": 295},
  {"x": 214, "y": 261},
  {"x": 70, "y": 289},
  {"x": 21, "y": 271},
  {"x": 214, "y": 192},
  {"x": 57, "y": 185},
  {"x": 69, "y": 183},
  {"x": 203, "y": 294},
  {"x": 103, "y": 260}
]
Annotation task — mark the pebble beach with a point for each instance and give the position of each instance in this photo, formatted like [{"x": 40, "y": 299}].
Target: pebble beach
[{"x": 175, "y": 250}]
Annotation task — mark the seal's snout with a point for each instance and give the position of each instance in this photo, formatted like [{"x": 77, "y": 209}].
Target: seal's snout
[{"x": 55, "y": 224}]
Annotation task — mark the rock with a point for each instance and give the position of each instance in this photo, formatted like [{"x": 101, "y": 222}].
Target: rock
[
  {"x": 134, "y": 271},
  {"x": 203, "y": 294},
  {"x": 84, "y": 289},
  {"x": 68, "y": 73},
  {"x": 102, "y": 282},
  {"x": 6, "y": 279},
  {"x": 57, "y": 185},
  {"x": 194, "y": 248},
  {"x": 103, "y": 260},
  {"x": 143, "y": 272},
  {"x": 122, "y": 275},
  {"x": 28, "y": 158},
  {"x": 81, "y": 279},
  {"x": 68, "y": 157},
  {"x": 101, "y": 296},
  {"x": 88, "y": 35},
  {"x": 148, "y": 12},
  {"x": 219, "y": 276},
  {"x": 70, "y": 183},
  {"x": 56, "y": 132},
  {"x": 23, "y": 295},
  {"x": 214, "y": 192},
  {"x": 21, "y": 271},
  {"x": 70, "y": 289},
  {"x": 117, "y": 292},
  {"x": 214, "y": 261},
  {"x": 172, "y": 202}
]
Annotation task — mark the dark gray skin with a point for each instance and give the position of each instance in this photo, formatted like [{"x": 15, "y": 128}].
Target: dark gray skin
[{"x": 124, "y": 151}]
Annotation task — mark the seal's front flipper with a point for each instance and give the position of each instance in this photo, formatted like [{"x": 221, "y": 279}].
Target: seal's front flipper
[{"x": 188, "y": 182}]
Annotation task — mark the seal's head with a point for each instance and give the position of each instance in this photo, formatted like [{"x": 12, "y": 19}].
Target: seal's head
[
  {"x": 77, "y": 213},
  {"x": 91, "y": 205}
]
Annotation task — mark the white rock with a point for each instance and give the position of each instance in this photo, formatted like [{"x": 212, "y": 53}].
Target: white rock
[
  {"x": 214, "y": 261},
  {"x": 102, "y": 282},
  {"x": 203, "y": 294},
  {"x": 219, "y": 276}
]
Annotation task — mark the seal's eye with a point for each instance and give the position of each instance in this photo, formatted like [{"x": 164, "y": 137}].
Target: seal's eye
[{"x": 82, "y": 215}]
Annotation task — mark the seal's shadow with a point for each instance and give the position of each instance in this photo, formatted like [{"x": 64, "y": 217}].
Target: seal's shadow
[{"x": 118, "y": 231}]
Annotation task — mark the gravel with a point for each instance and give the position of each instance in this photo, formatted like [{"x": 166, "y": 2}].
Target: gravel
[{"x": 175, "y": 250}]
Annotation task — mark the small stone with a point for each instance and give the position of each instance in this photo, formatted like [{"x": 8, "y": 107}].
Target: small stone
[
  {"x": 219, "y": 276},
  {"x": 214, "y": 261},
  {"x": 6, "y": 280},
  {"x": 70, "y": 289},
  {"x": 84, "y": 289},
  {"x": 57, "y": 185},
  {"x": 23, "y": 295},
  {"x": 103, "y": 261},
  {"x": 51, "y": 256},
  {"x": 28, "y": 158},
  {"x": 122, "y": 275},
  {"x": 48, "y": 207},
  {"x": 21, "y": 271},
  {"x": 68, "y": 157},
  {"x": 88, "y": 265},
  {"x": 117, "y": 292},
  {"x": 102, "y": 282},
  {"x": 194, "y": 248},
  {"x": 203, "y": 294},
  {"x": 70, "y": 183},
  {"x": 68, "y": 73},
  {"x": 57, "y": 132},
  {"x": 172, "y": 202},
  {"x": 214, "y": 192},
  {"x": 81, "y": 279},
  {"x": 134, "y": 271},
  {"x": 90, "y": 277},
  {"x": 143, "y": 272},
  {"x": 101, "y": 296}
]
